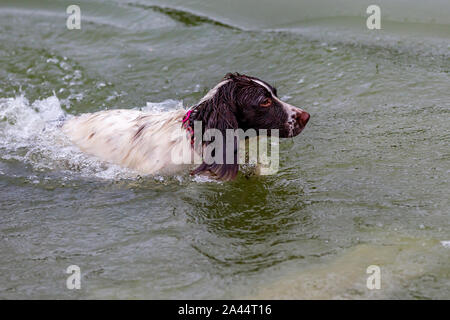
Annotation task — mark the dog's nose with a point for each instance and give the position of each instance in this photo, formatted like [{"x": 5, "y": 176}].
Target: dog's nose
[{"x": 302, "y": 118}]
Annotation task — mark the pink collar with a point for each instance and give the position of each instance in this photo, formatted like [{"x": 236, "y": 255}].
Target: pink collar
[
  {"x": 186, "y": 125},
  {"x": 186, "y": 116}
]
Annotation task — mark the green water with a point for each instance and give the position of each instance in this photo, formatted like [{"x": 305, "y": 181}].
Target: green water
[{"x": 366, "y": 183}]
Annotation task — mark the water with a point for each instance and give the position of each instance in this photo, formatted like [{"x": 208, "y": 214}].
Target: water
[{"x": 366, "y": 183}]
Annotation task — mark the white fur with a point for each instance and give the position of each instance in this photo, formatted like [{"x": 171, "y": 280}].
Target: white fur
[
  {"x": 145, "y": 142},
  {"x": 150, "y": 143}
]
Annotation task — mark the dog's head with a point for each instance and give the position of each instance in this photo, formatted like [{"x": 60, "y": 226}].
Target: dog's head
[{"x": 244, "y": 102}]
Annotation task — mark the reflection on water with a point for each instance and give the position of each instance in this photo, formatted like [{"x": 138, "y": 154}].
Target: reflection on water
[{"x": 253, "y": 218}]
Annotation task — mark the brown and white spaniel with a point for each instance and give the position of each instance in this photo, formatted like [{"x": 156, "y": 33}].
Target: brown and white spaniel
[{"x": 147, "y": 142}]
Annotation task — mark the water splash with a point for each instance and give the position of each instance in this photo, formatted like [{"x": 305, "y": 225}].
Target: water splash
[{"x": 30, "y": 133}]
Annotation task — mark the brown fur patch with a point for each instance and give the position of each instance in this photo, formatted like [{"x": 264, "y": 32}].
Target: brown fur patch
[{"x": 139, "y": 132}]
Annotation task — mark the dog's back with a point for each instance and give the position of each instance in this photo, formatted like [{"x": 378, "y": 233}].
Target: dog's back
[{"x": 145, "y": 142}]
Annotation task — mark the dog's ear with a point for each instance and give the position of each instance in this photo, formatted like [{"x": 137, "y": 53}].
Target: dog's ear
[{"x": 219, "y": 113}]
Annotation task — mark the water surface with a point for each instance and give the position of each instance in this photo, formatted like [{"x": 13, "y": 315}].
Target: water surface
[{"x": 366, "y": 183}]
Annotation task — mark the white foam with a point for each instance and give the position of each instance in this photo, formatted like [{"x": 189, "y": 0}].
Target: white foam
[
  {"x": 446, "y": 244},
  {"x": 163, "y": 106},
  {"x": 204, "y": 179},
  {"x": 30, "y": 133}
]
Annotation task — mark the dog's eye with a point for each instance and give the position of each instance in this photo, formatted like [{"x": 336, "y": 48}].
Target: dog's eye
[{"x": 266, "y": 103}]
